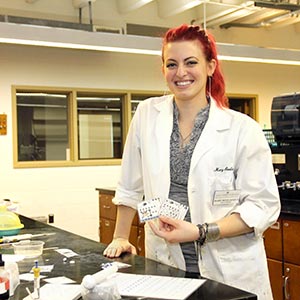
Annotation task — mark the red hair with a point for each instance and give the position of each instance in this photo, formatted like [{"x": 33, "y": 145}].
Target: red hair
[{"x": 192, "y": 33}]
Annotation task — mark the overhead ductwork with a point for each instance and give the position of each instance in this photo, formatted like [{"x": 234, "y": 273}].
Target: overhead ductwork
[
  {"x": 210, "y": 13},
  {"x": 283, "y": 5},
  {"x": 82, "y": 3},
  {"x": 125, "y": 6},
  {"x": 224, "y": 13},
  {"x": 249, "y": 14}
]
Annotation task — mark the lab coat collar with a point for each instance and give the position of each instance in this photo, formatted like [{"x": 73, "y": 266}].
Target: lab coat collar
[
  {"x": 165, "y": 120},
  {"x": 215, "y": 114},
  {"x": 219, "y": 119}
]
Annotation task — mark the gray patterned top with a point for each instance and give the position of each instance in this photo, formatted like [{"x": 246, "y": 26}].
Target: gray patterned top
[{"x": 180, "y": 160}]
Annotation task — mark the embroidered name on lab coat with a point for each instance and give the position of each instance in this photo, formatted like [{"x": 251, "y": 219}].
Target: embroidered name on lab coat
[{"x": 223, "y": 169}]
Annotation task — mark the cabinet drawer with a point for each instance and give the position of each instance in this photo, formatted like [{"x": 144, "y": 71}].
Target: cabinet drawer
[
  {"x": 273, "y": 241},
  {"x": 106, "y": 233},
  {"x": 107, "y": 208},
  {"x": 291, "y": 241},
  {"x": 106, "y": 230},
  {"x": 107, "y": 222}
]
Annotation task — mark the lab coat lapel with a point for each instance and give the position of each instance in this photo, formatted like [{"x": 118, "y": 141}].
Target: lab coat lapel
[
  {"x": 205, "y": 143},
  {"x": 164, "y": 125},
  {"x": 218, "y": 120}
]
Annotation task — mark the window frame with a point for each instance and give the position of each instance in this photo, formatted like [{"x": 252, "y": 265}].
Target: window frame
[{"x": 74, "y": 160}]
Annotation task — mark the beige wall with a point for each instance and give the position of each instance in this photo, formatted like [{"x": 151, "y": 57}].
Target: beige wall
[
  {"x": 264, "y": 80},
  {"x": 70, "y": 193}
]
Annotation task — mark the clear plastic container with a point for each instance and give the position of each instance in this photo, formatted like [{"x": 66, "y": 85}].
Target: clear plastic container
[
  {"x": 28, "y": 248},
  {"x": 10, "y": 223}
]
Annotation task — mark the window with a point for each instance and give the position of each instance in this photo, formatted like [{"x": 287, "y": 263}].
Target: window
[
  {"x": 99, "y": 126},
  {"x": 71, "y": 127},
  {"x": 42, "y": 126},
  {"x": 136, "y": 99}
]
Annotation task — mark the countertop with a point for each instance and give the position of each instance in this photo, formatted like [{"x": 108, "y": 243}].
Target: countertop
[
  {"x": 290, "y": 208},
  {"x": 90, "y": 259}
]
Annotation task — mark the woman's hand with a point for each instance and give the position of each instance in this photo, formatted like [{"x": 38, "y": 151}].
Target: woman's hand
[
  {"x": 175, "y": 231},
  {"x": 117, "y": 247}
]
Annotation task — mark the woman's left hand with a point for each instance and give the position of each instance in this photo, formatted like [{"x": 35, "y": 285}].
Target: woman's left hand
[{"x": 175, "y": 231}]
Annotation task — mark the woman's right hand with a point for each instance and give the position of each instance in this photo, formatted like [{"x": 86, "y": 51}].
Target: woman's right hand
[{"x": 119, "y": 246}]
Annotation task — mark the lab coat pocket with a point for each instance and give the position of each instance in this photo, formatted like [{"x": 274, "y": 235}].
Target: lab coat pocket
[
  {"x": 223, "y": 196},
  {"x": 232, "y": 266},
  {"x": 243, "y": 265}
]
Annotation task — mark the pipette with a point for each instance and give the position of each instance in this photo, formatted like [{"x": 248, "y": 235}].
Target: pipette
[
  {"x": 90, "y": 281},
  {"x": 36, "y": 273},
  {"x": 20, "y": 237}
]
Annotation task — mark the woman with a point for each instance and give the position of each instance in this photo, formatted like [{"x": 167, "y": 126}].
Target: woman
[{"x": 189, "y": 147}]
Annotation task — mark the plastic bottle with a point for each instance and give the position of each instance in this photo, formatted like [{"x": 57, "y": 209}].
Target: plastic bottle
[
  {"x": 4, "y": 281},
  {"x": 14, "y": 278}
]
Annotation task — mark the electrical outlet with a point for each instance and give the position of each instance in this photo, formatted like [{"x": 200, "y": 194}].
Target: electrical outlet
[{"x": 3, "y": 124}]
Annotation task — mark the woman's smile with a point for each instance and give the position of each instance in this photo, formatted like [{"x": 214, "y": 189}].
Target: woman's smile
[{"x": 184, "y": 83}]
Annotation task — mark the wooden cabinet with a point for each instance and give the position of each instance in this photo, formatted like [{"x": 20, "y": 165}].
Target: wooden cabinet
[
  {"x": 275, "y": 271},
  {"x": 291, "y": 241},
  {"x": 283, "y": 251},
  {"x": 107, "y": 221},
  {"x": 291, "y": 281}
]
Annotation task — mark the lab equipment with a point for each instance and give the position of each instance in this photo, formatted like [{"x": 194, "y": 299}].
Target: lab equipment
[
  {"x": 28, "y": 248},
  {"x": 21, "y": 237},
  {"x": 4, "y": 281},
  {"x": 36, "y": 274},
  {"x": 14, "y": 279},
  {"x": 100, "y": 285},
  {"x": 90, "y": 281},
  {"x": 9, "y": 222}
]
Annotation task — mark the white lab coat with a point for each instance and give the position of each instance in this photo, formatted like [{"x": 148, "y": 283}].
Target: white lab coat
[{"x": 231, "y": 153}]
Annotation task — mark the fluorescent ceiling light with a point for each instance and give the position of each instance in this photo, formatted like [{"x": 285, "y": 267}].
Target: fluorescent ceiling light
[
  {"x": 259, "y": 60},
  {"x": 99, "y": 41},
  {"x": 79, "y": 46},
  {"x": 246, "y": 53},
  {"x": 77, "y": 39}
]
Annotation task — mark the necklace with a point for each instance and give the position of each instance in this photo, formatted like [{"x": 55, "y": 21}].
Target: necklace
[{"x": 184, "y": 141}]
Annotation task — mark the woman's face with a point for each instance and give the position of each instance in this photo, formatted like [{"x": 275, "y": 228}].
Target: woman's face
[{"x": 185, "y": 69}]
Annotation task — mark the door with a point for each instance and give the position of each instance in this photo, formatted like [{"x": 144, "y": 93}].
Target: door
[
  {"x": 244, "y": 104},
  {"x": 275, "y": 273},
  {"x": 291, "y": 282}
]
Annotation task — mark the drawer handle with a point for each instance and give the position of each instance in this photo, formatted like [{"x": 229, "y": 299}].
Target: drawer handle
[
  {"x": 286, "y": 288},
  {"x": 107, "y": 223},
  {"x": 139, "y": 243},
  {"x": 106, "y": 206},
  {"x": 276, "y": 226}
]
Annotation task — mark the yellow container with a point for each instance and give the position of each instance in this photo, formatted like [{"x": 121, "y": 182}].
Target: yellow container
[{"x": 10, "y": 223}]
